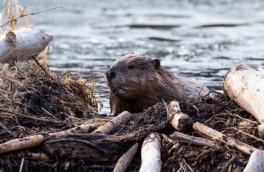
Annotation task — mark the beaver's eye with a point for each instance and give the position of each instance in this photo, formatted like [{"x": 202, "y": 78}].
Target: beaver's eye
[{"x": 131, "y": 67}]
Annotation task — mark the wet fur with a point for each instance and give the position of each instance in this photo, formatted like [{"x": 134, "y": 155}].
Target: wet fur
[{"x": 147, "y": 84}]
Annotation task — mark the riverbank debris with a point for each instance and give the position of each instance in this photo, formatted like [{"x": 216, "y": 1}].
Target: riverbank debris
[{"x": 51, "y": 123}]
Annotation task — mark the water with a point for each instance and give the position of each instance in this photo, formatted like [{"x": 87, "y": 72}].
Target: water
[{"x": 198, "y": 39}]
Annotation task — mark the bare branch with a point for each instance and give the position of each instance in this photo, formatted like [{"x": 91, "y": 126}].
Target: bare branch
[{"x": 29, "y": 14}]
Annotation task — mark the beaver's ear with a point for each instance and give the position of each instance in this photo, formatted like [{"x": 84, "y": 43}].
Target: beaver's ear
[{"x": 156, "y": 63}]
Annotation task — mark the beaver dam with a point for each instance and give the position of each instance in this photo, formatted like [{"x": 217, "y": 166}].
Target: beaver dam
[{"x": 50, "y": 122}]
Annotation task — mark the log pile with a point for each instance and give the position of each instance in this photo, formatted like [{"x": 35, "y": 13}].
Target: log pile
[
  {"x": 51, "y": 123},
  {"x": 218, "y": 139}
]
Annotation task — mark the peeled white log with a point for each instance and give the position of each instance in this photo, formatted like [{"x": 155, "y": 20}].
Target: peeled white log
[
  {"x": 246, "y": 86},
  {"x": 22, "y": 44},
  {"x": 256, "y": 162},
  {"x": 23, "y": 143},
  {"x": 125, "y": 160},
  {"x": 114, "y": 123},
  {"x": 150, "y": 154},
  {"x": 179, "y": 120}
]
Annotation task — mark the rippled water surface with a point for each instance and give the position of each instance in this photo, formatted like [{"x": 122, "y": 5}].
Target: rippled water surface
[{"x": 198, "y": 39}]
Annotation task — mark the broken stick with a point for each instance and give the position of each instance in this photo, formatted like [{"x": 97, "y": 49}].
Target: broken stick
[
  {"x": 125, "y": 160},
  {"x": 180, "y": 137},
  {"x": 216, "y": 135},
  {"x": 150, "y": 154},
  {"x": 180, "y": 121},
  {"x": 108, "y": 127}
]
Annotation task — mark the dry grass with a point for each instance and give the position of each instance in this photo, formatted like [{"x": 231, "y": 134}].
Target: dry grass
[{"x": 24, "y": 80}]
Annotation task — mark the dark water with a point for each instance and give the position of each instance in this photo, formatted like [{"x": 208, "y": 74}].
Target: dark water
[{"x": 199, "y": 39}]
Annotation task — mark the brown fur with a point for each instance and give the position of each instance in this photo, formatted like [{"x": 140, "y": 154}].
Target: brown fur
[{"x": 138, "y": 82}]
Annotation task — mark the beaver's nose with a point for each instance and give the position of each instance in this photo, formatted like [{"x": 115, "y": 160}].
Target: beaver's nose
[{"x": 110, "y": 74}]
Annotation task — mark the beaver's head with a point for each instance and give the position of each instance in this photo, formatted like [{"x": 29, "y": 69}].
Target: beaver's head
[{"x": 132, "y": 76}]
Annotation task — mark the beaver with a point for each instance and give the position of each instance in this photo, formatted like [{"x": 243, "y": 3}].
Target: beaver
[{"x": 138, "y": 82}]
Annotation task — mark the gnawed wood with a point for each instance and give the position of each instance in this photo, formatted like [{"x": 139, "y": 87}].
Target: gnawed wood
[
  {"x": 216, "y": 135},
  {"x": 150, "y": 154},
  {"x": 183, "y": 138},
  {"x": 246, "y": 86},
  {"x": 125, "y": 160},
  {"x": 179, "y": 120},
  {"x": 256, "y": 162},
  {"x": 114, "y": 123},
  {"x": 23, "y": 143},
  {"x": 22, "y": 44}
]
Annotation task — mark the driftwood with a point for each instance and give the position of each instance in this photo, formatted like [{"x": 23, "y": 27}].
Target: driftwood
[
  {"x": 180, "y": 137},
  {"x": 216, "y": 135},
  {"x": 246, "y": 86},
  {"x": 256, "y": 162},
  {"x": 125, "y": 160},
  {"x": 179, "y": 120},
  {"x": 23, "y": 143},
  {"x": 22, "y": 44},
  {"x": 114, "y": 123},
  {"x": 150, "y": 154}
]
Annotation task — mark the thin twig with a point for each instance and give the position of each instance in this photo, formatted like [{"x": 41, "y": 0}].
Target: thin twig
[
  {"x": 200, "y": 92},
  {"x": 29, "y": 14},
  {"x": 6, "y": 129},
  {"x": 167, "y": 110},
  {"x": 12, "y": 105},
  {"x": 209, "y": 119},
  {"x": 40, "y": 65},
  {"x": 196, "y": 108},
  {"x": 249, "y": 135},
  {"x": 187, "y": 165},
  {"x": 47, "y": 112},
  {"x": 235, "y": 115},
  {"x": 228, "y": 163},
  {"x": 71, "y": 116},
  {"x": 34, "y": 118}
]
